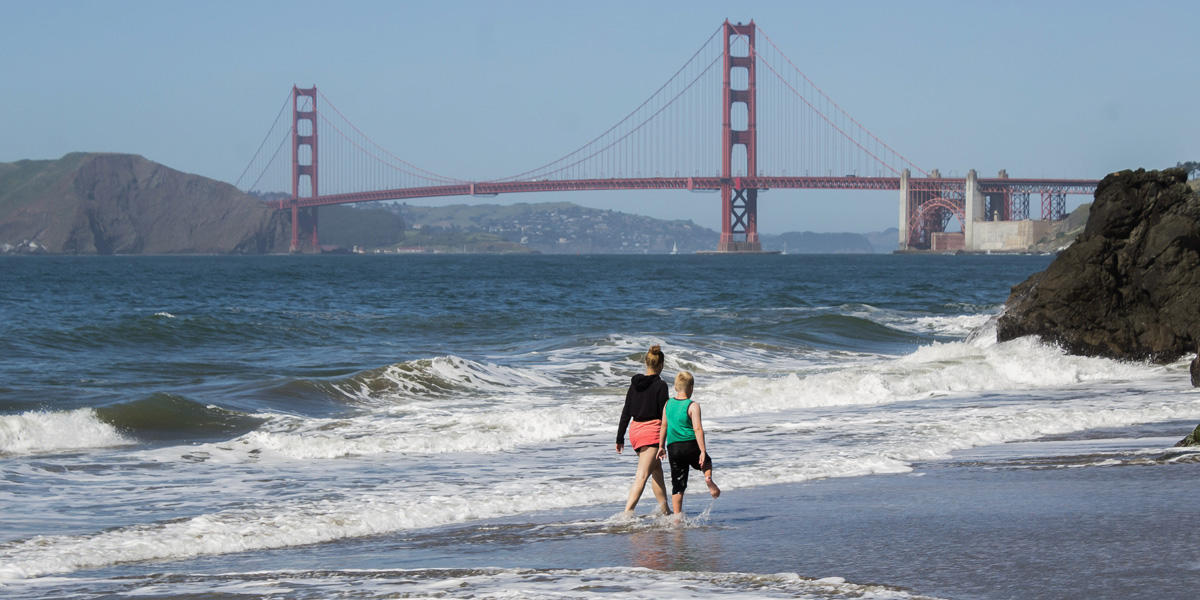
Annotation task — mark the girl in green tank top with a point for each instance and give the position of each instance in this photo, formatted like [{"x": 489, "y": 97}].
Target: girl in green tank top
[{"x": 679, "y": 424}]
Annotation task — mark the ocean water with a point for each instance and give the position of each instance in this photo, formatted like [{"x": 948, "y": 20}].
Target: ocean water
[{"x": 442, "y": 426}]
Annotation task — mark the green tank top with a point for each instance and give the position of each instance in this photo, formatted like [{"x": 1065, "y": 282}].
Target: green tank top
[{"x": 679, "y": 424}]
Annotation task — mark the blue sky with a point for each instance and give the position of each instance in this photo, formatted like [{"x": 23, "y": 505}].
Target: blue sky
[{"x": 484, "y": 89}]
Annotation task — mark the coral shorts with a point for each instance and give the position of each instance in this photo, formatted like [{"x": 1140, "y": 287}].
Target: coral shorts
[{"x": 644, "y": 433}]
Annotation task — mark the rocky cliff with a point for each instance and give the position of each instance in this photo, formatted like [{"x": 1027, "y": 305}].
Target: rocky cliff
[
  {"x": 125, "y": 204},
  {"x": 1129, "y": 286}
]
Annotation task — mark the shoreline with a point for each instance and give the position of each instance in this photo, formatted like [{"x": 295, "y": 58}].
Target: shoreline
[
  {"x": 943, "y": 530},
  {"x": 993, "y": 522},
  {"x": 968, "y": 527}
]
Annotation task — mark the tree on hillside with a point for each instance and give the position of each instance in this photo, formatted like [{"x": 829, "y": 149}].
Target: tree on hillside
[{"x": 1192, "y": 166}]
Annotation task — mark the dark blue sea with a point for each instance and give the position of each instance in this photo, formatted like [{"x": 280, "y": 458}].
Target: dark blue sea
[{"x": 442, "y": 426}]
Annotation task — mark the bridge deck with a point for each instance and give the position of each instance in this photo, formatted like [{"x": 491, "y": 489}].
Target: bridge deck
[{"x": 492, "y": 188}]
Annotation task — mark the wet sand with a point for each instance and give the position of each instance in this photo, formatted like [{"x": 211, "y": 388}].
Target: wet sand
[{"x": 946, "y": 530}]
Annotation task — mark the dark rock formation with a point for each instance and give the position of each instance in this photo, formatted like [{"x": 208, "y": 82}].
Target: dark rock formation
[
  {"x": 1129, "y": 287},
  {"x": 125, "y": 204},
  {"x": 1192, "y": 439}
]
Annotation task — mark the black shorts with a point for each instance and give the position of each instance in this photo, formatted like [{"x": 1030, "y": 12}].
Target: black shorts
[{"x": 685, "y": 456}]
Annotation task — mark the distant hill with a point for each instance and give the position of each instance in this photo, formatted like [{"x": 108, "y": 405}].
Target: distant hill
[
  {"x": 382, "y": 227},
  {"x": 808, "y": 242},
  {"x": 563, "y": 228},
  {"x": 124, "y": 204}
]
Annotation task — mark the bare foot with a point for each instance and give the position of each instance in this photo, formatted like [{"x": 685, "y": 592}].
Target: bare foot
[{"x": 712, "y": 487}]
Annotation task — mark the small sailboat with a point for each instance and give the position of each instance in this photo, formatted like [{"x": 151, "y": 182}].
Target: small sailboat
[{"x": 674, "y": 248}]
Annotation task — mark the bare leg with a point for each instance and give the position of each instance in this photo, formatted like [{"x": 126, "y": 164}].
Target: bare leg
[
  {"x": 677, "y": 502},
  {"x": 658, "y": 486},
  {"x": 712, "y": 487},
  {"x": 646, "y": 457}
]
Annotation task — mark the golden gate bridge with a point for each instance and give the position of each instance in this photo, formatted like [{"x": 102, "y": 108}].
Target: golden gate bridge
[{"x": 738, "y": 117}]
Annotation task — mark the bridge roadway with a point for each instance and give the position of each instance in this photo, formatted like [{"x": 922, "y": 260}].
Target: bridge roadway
[{"x": 492, "y": 188}]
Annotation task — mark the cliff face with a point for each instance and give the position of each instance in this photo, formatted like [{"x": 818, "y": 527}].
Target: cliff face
[
  {"x": 1128, "y": 288},
  {"x": 125, "y": 204}
]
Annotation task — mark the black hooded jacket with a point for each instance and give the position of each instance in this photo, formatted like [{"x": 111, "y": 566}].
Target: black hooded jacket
[{"x": 644, "y": 401}]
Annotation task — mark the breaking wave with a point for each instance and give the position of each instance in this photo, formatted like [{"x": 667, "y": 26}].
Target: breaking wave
[{"x": 38, "y": 432}]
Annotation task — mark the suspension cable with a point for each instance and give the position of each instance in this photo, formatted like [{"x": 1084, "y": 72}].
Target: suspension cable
[
  {"x": 264, "y": 142},
  {"x": 622, "y": 121},
  {"x": 835, "y": 104},
  {"x": 427, "y": 173},
  {"x": 826, "y": 118}
]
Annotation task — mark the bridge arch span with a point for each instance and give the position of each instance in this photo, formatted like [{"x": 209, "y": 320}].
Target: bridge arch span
[{"x": 932, "y": 216}]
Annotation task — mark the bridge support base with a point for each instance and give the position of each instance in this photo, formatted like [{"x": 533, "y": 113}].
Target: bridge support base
[
  {"x": 295, "y": 245},
  {"x": 740, "y": 206},
  {"x": 304, "y": 220},
  {"x": 740, "y": 247}
]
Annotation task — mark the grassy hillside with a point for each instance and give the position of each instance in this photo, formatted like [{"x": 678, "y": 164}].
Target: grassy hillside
[{"x": 25, "y": 182}]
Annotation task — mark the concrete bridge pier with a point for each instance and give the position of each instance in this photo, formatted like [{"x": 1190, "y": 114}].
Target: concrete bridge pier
[{"x": 973, "y": 209}]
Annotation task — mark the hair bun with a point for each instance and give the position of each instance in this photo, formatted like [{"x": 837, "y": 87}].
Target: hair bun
[{"x": 654, "y": 358}]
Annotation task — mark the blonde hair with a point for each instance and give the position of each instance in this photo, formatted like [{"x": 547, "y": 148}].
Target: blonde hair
[
  {"x": 684, "y": 382},
  {"x": 654, "y": 358}
]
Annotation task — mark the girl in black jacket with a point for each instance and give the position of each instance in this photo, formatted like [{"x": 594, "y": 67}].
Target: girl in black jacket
[{"x": 644, "y": 406}]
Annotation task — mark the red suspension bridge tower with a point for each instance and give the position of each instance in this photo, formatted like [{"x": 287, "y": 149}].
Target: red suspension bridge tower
[
  {"x": 304, "y": 159},
  {"x": 739, "y": 204}
]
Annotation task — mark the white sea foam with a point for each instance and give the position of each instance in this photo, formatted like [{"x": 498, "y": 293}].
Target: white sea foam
[
  {"x": 482, "y": 429},
  {"x": 957, "y": 325},
  {"x": 284, "y": 524},
  {"x": 164, "y": 314},
  {"x": 440, "y": 377},
  {"x": 980, "y": 365},
  {"x": 502, "y": 408},
  {"x": 300, "y": 522},
  {"x": 892, "y": 443},
  {"x": 536, "y": 584},
  {"x": 37, "y": 432},
  {"x": 941, "y": 325},
  {"x": 538, "y": 483}
]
